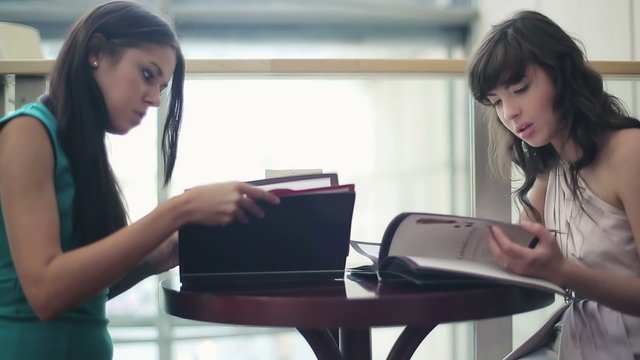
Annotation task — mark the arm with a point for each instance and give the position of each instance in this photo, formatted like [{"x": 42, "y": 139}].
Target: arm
[
  {"x": 162, "y": 258},
  {"x": 546, "y": 261},
  {"x": 55, "y": 281},
  {"x": 621, "y": 167}
]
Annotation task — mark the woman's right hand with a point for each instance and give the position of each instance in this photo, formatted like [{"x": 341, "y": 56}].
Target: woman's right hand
[{"x": 220, "y": 204}]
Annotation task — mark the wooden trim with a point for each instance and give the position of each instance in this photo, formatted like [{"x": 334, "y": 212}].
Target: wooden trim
[
  {"x": 402, "y": 66},
  {"x": 320, "y": 66},
  {"x": 617, "y": 67},
  {"x": 25, "y": 67}
]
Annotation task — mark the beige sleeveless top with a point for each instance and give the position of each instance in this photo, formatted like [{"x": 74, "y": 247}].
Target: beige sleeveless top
[{"x": 598, "y": 236}]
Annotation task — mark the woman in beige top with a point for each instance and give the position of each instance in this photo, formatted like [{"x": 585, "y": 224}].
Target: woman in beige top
[{"x": 579, "y": 153}]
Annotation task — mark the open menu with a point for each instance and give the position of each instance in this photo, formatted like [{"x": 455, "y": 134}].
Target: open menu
[{"x": 434, "y": 249}]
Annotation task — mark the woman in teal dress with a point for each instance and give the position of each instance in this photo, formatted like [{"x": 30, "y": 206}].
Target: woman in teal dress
[{"x": 66, "y": 245}]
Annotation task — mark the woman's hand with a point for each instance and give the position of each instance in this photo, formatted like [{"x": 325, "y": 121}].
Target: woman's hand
[
  {"x": 545, "y": 261},
  {"x": 220, "y": 204},
  {"x": 164, "y": 257}
]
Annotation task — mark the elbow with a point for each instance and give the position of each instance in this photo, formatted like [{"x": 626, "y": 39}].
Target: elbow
[
  {"x": 46, "y": 317},
  {"x": 44, "y": 307},
  {"x": 45, "y": 312}
]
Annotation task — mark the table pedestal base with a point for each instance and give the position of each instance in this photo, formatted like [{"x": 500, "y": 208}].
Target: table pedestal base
[{"x": 355, "y": 344}]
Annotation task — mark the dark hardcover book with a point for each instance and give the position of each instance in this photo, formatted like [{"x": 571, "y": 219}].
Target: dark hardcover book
[{"x": 303, "y": 239}]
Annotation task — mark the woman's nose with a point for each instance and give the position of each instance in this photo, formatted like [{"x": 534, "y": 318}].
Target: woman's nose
[
  {"x": 152, "y": 97},
  {"x": 510, "y": 110}
]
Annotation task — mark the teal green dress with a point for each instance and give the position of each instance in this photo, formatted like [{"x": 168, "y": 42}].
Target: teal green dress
[{"x": 80, "y": 333}]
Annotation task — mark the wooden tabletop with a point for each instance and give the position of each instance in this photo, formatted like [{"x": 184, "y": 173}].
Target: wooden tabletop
[{"x": 348, "y": 303}]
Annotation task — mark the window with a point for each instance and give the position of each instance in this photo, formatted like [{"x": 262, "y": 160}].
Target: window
[{"x": 404, "y": 142}]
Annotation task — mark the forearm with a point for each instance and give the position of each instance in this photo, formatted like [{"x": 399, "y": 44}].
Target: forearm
[
  {"x": 162, "y": 258},
  {"x": 619, "y": 292},
  {"x": 75, "y": 276},
  {"x": 137, "y": 274}
]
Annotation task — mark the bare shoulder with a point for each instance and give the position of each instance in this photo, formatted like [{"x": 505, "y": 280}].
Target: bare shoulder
[
  {"x": 23, "y": 138},
  {"x": 621, "y": 165},
  {"x": 23, "y": 125},
  {"x": 622, "y": 148}
]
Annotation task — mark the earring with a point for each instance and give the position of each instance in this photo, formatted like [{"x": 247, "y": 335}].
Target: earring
[{"x": 94, "y": 64}]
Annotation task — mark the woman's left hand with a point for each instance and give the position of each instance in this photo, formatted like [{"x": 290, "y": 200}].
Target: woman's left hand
[
  {"x": 545, "y": 261},
  {"x": 164, "y": 257}
]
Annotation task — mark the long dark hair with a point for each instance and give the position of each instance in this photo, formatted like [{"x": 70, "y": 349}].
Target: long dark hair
[
  {"x": 78, "y": 104},
  {"x": 584, "y": 109}
]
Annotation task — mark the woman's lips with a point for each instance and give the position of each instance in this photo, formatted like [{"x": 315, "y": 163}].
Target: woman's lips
[{"x": 526, "y": 131}]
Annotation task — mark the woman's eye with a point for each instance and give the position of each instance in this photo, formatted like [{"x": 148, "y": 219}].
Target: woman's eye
[
  {"x": 147, "y": 75},
  {"x": 496, "y": 103},
  {"x": 522, "y": 89}
]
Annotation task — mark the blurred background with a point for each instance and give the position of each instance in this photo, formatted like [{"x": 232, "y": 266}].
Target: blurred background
[{"x": 405, "y": 141}]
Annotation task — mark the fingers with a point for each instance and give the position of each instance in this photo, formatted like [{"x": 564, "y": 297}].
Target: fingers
[
  {"x": 539, "y": 230},
  {"x": 249, "y": 194},
  {"x": 240, "y": 216},
  {"x": 222, "y": 203},
  {"x": 494, "y": 244},
  {"x": 544, "y": 261},
  {"x": 508, "y": 254},
  {"x": 258, "y": 194},
  {"x": 247, "y": 203},
  {"x": 501, "y": 240}
]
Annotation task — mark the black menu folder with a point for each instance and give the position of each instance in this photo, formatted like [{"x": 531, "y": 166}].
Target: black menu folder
[{"x": 303, "y": 239}]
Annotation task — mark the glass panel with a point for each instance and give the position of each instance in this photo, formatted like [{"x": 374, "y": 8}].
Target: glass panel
[
  {"x": 404, "y": 142},
  {"x": 287, "y": 345},
  {"x": 132, "y": 334},
  {"x": 133, "y": 158},
  {"x": 422, "y": 45},
  {"x": 447, "y": 341},
  {"x": 391, "y": 137},
  {"x": 138, "y": 351}
]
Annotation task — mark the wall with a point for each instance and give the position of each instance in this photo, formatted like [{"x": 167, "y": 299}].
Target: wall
[{"x": 608, "y": 29}]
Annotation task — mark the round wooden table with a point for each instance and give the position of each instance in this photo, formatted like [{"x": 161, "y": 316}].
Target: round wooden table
[{"x": 350, "y": 307}]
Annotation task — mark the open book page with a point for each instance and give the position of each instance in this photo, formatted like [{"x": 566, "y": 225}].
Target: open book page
[
  {"x": 316, "y": 183},
  {"x": 428, "y": 248},
  {"x": 297, "y": 185},
  {"x": 319, "y": 190},
  {"x": 368, "y": 249},
  {"x": 487, "y": 270},
  {"x": 297, "y": 182},
  {"x": 450, "y": 237}
]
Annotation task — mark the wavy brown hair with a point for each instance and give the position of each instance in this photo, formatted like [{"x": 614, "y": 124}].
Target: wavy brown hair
[
  {"x": 78, "y": 105},
  {"x": 585, "y": 110}
]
